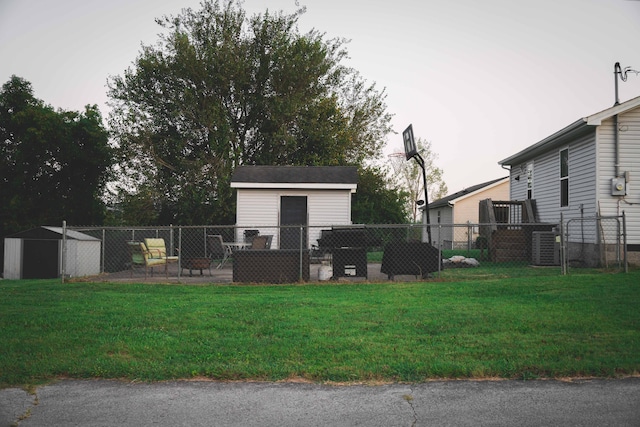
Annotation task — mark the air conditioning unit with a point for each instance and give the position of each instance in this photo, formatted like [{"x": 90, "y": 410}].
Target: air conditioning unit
[{"x": 546, "y": 250}]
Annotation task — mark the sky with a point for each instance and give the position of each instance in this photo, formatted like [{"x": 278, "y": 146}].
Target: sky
[{"x": 479, "y": 80}]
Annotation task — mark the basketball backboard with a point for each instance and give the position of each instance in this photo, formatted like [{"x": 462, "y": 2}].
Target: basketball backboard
[{"x": 410, "y": 149}]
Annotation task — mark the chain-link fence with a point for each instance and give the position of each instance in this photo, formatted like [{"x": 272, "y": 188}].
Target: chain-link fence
[
  {"x": 595, "y": 242},
  {"x": 289, "y": 254}
]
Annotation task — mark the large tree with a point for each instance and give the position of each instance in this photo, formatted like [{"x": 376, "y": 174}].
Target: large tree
[
  {"x": 221, "y": 89},
  {"x": 53, "y": 163},
  {"x": 376, "y": 202}
]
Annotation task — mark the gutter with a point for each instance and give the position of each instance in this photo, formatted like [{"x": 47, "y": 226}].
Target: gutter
[{"x": 576, "y": 128}]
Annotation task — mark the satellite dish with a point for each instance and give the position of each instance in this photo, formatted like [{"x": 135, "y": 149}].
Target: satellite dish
[{"x": 419, "y": 202}]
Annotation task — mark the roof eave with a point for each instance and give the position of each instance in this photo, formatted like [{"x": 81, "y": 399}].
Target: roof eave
[
  {"x": 575, "y": 129},
  {"x": 562, "y": 136},
  {"x": 479, "y": 190}
]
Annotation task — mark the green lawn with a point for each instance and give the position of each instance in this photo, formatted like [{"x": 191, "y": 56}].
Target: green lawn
[{"x": 523, "y": 327}]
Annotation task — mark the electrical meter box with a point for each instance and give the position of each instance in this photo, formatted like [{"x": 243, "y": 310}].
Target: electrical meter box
[{"x": 618, "y": 187}]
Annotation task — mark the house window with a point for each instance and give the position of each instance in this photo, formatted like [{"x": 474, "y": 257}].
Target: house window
[
  {"x": 529, "y": 180},
  {"x": 439, "y": 217},
  {"x": 564, "y": 177}
]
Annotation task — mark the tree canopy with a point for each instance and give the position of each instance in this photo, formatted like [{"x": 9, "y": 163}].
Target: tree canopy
[
  {"x": 220, "y": 90},
  {"x": 377, "y": 203},
  {"x": 54, "y": 164},
  {"x": 408, "y": 174}
]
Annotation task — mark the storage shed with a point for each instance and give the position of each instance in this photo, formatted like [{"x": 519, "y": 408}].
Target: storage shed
[
  {"x": 273, "y": 199},
  {"x": 38, "y": 254}
]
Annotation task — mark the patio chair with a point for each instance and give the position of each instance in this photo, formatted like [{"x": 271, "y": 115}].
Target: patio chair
[
  {"x": 217, "y": 249},
  {"x": 259, "y": 242},
  {"x": 158, "y": 249},
  {"x": 269, "y": 239},
  {"x": 140, "y": 257},
  {"x": 250, "y": 234}
]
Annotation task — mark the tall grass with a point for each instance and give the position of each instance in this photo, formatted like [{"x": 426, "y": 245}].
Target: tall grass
[{"x": 512, "y": 328}]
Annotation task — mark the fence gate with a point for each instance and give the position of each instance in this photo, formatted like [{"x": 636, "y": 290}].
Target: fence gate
[{"x": 595, "y": 242}]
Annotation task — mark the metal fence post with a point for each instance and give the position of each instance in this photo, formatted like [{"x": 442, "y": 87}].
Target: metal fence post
[
  {"x": 64, "y": 250},
  {"x": 624, "y": 241},
  {"x": 179, "y": 250},
  {"x": 563, "y": 249},
  {"x": 300, "y": 255},
  {"x": 103, "y": 243},
  {"x": 439, "y": 250}
]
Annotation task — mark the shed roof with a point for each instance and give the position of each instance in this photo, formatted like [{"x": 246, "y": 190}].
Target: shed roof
[
  {"x": 579, "y": 127},
  {"x": 335, "y": 177},
  {"x": 445, "y": 201},
  {"x": 50, "y": 233}
]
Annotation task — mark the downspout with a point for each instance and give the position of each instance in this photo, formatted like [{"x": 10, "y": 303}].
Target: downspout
[
  {"x": 616, "y": 70},
  {"x": 616, "y": 146}
]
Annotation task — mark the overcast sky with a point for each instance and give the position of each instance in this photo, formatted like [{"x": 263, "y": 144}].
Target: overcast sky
[{"x": 480, "y": 80}]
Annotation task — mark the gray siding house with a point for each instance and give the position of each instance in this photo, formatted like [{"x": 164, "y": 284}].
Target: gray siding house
[
  {"x": 277, "y": 199},
  {"x": 590, "y": 168}
]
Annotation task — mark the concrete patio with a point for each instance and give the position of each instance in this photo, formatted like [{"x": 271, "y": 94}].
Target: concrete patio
[{"x": 225, "y": 275}]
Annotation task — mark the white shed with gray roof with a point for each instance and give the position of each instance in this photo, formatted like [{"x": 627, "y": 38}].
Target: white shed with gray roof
[{"x": 280, "y": 200}]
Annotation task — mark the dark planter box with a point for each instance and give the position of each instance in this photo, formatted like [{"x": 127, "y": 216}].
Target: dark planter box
[
  {"x": 270, "y": 266},
  {"x": 349, "y": 262},
  {"x": 414, "y": 258}
]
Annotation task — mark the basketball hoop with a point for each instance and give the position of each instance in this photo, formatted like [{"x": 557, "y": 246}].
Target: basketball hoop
[{"x": 397, "y": 161}]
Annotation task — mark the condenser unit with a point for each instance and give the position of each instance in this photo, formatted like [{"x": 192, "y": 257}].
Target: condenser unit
[{"x": 546, "y": 250}]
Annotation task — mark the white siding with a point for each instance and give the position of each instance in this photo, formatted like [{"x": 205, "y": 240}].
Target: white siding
[
  {"x": 582, "y": 178},
  {"x": 582, "y": 188},
  {"x": 629, "y": 142},
  {"x": 518, "y": 187},
  {"x": 260, "y": 209},
  {"x": 83, "y": 258},
  {"x": 12, "y": 258},
  {"x": 441, "y": 232}
]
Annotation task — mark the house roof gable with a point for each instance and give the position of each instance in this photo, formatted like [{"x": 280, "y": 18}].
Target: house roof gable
[
  {"x": 579, "y": 127},
  {"x": 452, "y": 198}
]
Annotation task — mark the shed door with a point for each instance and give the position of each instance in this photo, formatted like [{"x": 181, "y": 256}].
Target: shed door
[
  {"x": 293, "y": 211},
  {"x": 40, "y": 259}
]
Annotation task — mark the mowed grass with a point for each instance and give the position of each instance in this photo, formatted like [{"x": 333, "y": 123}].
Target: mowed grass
[{"x": 584, "y": 325}]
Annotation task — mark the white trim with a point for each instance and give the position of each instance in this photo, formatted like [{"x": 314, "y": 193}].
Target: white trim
[
  {"x": 596, "y": 119},
  {"x": 294, "y": 186}
]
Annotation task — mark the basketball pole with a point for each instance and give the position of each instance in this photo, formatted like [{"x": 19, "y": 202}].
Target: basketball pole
[
  {"x": 418, "y": 158},
  {"x": 411, "y": 152}
]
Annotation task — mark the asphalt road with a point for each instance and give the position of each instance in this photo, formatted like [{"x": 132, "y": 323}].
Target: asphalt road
[{"x": 598, "y": 402}]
